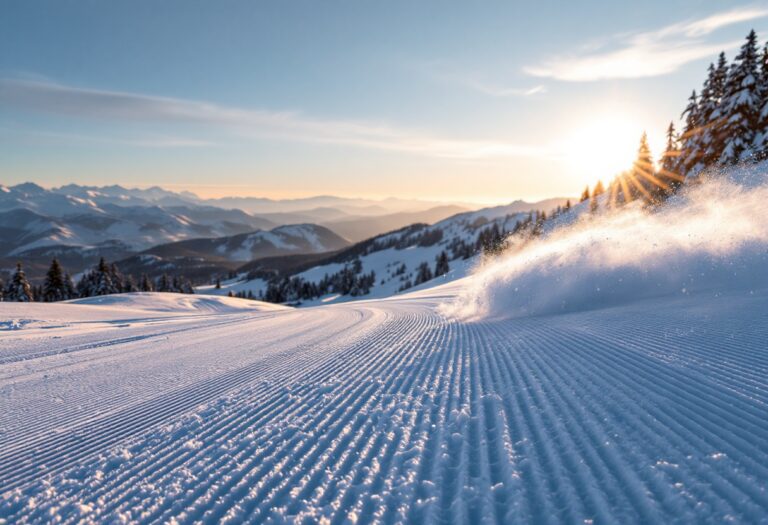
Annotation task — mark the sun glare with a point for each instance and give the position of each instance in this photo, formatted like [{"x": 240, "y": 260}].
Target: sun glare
[{"x": 602, "y": 148}]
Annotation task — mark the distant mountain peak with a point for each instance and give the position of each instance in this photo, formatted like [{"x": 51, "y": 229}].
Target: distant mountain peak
[{"x": 28, "y": 188}]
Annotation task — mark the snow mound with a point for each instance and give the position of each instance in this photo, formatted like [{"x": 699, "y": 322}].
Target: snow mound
[
  {"x": 711, "y": 238},
  {"x": 172, "y": 302}
]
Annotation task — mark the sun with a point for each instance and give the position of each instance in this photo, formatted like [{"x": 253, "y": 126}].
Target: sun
[{"x": 601, "y": 148}]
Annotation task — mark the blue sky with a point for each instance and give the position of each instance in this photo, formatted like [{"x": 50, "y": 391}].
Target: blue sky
[{"x": 476, "y": 101}]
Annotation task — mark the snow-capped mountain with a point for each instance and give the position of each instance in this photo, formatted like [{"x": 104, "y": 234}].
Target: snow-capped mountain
[
  {"x": 79, "y": 224},
  {"x": 85, "y": 217},
  {"x": 202, "y": 258}
]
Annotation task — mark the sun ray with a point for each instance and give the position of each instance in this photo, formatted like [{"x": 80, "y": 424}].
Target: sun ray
[
  {"x": 625, "y": 188},
  {"x": 639, "y": 186},
  {"x": 653, "y": 179}
]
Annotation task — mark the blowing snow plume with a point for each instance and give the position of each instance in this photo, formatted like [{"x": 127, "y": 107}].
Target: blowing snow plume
[{"x": 711, "y": 238}]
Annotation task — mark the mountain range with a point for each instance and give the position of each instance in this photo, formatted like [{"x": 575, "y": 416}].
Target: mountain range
[{"x": 151, "y": 229}]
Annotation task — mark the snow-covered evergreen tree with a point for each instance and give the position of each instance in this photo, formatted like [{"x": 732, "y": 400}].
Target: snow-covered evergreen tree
[
  {"x": 711, "y": 116},
  {"x": 690, "y": 154},
  {"x": 18, "y": 288},
  {"x": 760, "y": 144},
  {"x": 69, "y": 288},
  {"x": 53, "y": 287},
  {"x": 129, "y": 285},
  {"x": 102, "y": 280},
  {"x": 163, "y": 283},
  {"x": 85, "y": 285},
  {"x": 117, "y": 278},
  {"x": 741, "y": 104},
  {"x": 706, "y": 131},
  {"x": 186, "y": 287},
  {"x": 668, "y": 174},
  {"x": 423, "y": 274},
  {"x": 146, "y": 284},
  {"x": 441, "y": 264}
]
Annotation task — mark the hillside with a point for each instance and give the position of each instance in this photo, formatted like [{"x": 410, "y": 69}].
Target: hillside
[
  {"x": 201, "y": 259},
  {"x": 389, "y": 263}
]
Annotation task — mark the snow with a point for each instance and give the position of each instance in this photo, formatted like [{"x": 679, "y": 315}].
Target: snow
[
  {"x": 711, "y": 239},
  {"x": 385, "y": 262},
  {"x": 649, "y": 409},
  {"x": 177, "y": 303},
  {"x": 305, "y": 232},
  {"x": 236, "y": 285}
]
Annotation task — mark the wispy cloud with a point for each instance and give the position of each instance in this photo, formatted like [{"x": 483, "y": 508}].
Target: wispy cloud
[
  {"x": 451, "y": 74},
  {"x": 114, "y": 106},
  {"x": 496, "y": 90},
  {"x": 647, "y": 54}
]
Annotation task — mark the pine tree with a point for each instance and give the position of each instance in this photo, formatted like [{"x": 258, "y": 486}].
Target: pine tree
[
  {"x": 740, "y": 104},
  {"x": 145, "y": 284},
  {"x": 102, "y": 279},
  {"x": 584, "y": 195},
  {"x": 594, "y": 200},
  {"x": 643, "y": 183},
  {"x": 711, "y": 118},
  {"x": 117, "y": 278},
  {"x": 163, "y": 283},
  {"x": 53, "y": 288},
  {"x": 18, "y": 289},
  {"x": 441, "y": 264},
  {"x": 706, "y": 130},
  {"x": 760, "y": 144},
  {"x": 129, "y": 285},
  {"x": 423, "y": 273},
  {"x": 85, "y": 285},
  {"x": 69, "y": 288},
  {"x": 690, "y": 154},
  {"x": 668, "y": 164},
  {"x": 187, "y": 288}
]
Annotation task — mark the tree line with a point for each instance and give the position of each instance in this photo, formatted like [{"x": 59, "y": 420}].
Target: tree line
[{"x": 103, "y": 279}]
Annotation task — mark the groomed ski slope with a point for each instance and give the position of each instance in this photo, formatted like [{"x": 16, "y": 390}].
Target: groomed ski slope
[
  {"x": 613, "y": 371},
  {"x": 386, "y": 411}
]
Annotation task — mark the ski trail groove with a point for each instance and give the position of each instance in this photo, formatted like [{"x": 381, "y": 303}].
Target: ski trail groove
[{"x": 386, "y": 412}]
